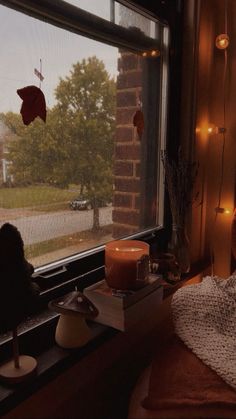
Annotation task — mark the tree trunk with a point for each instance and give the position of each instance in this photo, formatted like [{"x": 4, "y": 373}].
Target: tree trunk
[
  {"x": 81, "y": 189},
  {"x": 96, "y": 224}
]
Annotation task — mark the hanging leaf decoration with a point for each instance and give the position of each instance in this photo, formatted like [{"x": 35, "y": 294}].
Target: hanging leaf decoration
[
  {"x": 33, "y": 104},
  {"x": 138, "y": 121}
]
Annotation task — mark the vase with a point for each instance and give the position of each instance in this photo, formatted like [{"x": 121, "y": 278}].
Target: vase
[
  {"x": 166, "y": 265},
  {"x": 179, "y": 246}
]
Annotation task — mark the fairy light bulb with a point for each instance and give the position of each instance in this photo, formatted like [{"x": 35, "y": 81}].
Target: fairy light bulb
[
  {"x": 222, "y": 41},
  {"x": 221, "y": 210},
  {"x": 213, "y": 129},
  {"x": 154, "y": 53}
]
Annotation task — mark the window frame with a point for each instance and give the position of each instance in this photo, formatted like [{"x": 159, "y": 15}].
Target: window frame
[
  {"x": 74, "y": 19},
  {"x": 86, "y": 267}
]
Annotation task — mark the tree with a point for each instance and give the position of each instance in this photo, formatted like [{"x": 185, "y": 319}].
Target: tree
[
  {"x": 33, "y": 150},
  {"x": 87, "y": 100},
  {"x": 76, "y": 143}
]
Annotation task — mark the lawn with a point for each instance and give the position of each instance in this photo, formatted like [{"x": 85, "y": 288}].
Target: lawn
[
  {"x": 41, "y": 197},
  {"x": 39, "y": 249}
]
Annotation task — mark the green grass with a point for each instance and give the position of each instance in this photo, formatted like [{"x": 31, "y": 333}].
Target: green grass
[
  {"x": 45, "y": 198},
  {"x": 48, "y": 246}
]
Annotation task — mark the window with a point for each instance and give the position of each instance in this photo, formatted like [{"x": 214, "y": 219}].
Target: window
[{"x": 90, "y": 173}]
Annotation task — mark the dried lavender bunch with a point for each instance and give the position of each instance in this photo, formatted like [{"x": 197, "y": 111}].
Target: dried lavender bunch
[{"x": 180, "y": 177}]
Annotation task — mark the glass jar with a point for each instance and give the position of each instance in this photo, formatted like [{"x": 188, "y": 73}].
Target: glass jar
[{"x": 179, "y": 246}]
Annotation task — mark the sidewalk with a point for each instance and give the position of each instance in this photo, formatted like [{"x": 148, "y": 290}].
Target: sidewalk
[{"x": 14, "y": 213}]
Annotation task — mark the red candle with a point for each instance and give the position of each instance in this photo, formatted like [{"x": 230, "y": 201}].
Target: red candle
[{"x": 121, "y": 258}]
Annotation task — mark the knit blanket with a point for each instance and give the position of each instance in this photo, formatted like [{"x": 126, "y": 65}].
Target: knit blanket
[{"x": 204, "y": 317}]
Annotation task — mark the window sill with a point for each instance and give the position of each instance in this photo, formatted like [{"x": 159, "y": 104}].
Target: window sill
[{"x": 52, "y": 362}]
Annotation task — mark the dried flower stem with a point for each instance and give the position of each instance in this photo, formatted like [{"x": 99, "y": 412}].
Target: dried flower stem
[{"x": 180, "y": 177}]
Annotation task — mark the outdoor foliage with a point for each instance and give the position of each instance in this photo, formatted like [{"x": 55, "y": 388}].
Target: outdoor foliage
[
  {"x": 40, "y": 197},
  {"x": 76, "y": 144}
]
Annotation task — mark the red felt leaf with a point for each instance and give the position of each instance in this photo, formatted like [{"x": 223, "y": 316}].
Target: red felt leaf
[
  {"x": 138, "y": 121},
  {"x": 33, "y": 104}
]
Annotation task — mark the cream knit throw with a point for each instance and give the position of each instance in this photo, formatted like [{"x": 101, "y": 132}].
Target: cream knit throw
[{"x": 205, "y": 319}]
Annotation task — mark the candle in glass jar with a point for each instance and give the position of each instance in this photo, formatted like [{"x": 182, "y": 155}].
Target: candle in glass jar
[{"x": 121, "y": 258}]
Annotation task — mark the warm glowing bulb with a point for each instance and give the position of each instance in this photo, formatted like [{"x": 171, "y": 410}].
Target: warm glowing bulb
[
  {"x": 213, "y": 129},
  {"x": 221, "y": 210},
  {"x": 222, "y": 41},
  {"x": 210, "y": 130},
  {"x": 154, "y": 53}
]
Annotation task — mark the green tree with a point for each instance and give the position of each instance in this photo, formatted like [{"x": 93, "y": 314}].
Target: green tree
[
  {"x": 86, "y": 99},
  {"x": 33, "y": 150},
  {"x": 76, "y": 143}
]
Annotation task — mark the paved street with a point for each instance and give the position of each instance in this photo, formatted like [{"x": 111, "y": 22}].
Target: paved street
[{"x": 40, "y": 227}]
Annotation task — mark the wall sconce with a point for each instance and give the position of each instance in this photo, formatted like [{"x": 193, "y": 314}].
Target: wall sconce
[{"x": 222, "y": 41}]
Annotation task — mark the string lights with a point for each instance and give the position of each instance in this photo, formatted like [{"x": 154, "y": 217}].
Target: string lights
[
  {"x": 223, "y": 40},
  {"x": 153, "y": 53},
  {"x": 221, "y": 210},
  {"x": 221, "y": 43},
  {"x": 213, "y": 129},
  {"x": 210, "y": 129}
]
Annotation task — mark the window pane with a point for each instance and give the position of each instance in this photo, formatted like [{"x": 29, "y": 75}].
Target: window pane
[
  {"x": 130, "y": 19},
  {"x": 120, "y": 14},
  {"x": 99, "y": 8},
  {"x": 90, "y": 173}
]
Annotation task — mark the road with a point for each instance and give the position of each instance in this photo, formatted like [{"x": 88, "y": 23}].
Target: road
[{"x": 41, "y": 227}]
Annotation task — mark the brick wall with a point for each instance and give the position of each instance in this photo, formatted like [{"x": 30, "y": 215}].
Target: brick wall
[{"x": 126, "y": 213}]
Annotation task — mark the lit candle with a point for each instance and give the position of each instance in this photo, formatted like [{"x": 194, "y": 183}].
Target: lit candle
[{"x": 121, "y": 258}]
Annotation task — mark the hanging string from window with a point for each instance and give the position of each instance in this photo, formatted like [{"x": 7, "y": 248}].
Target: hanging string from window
[{"x": 39, "y": 73}]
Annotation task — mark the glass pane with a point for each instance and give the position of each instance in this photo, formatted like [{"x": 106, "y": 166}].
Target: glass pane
[
  {"x": 99, "y": 8},
  {"x": 79, "y": 179},
  {"x": 130, "y": 19}
]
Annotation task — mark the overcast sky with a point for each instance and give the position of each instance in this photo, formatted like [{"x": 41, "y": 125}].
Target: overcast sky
[{"x": 25, "y": 40}]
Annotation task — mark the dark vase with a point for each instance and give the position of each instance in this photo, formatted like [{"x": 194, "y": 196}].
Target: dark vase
[
  {"x": 166, "y": 265},
  {"x": 179, "y": 246}
]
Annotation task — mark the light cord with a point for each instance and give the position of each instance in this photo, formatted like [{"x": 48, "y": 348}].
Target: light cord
[{"x": 223, "y": 143}]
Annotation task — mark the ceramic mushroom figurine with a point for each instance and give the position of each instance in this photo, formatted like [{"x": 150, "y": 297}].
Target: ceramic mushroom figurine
[
  {"x": 17, "y": 296},
  {"x": 74, "y": 308}
]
